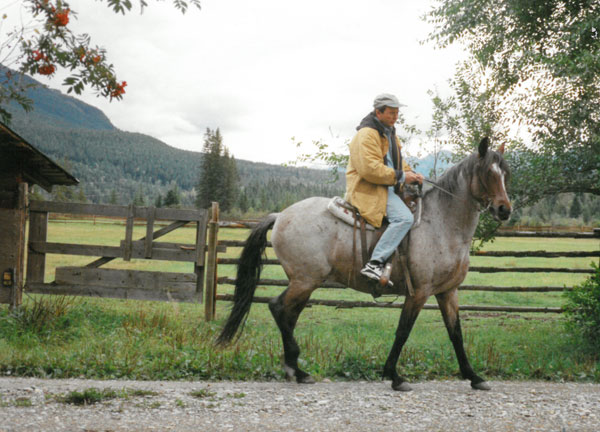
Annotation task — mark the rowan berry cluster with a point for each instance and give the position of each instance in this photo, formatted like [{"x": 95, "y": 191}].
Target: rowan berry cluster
[
  {"x": 46, "y": 68},
  {"x": 117, "y": 90}
]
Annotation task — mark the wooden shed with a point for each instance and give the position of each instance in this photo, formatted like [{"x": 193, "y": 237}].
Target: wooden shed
[{"x": 21, "y": 166}]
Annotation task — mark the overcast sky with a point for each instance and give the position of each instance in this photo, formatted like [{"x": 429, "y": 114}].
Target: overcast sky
[{"x": 264, "y": 71}]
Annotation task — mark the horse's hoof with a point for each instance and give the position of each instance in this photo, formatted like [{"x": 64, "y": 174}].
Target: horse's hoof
[
  {"x": 290, "y": 373},
  {"x": 481, "y": 386},
  {"x": 306, "y": 380},
  {"x": 403, "y": 387}
]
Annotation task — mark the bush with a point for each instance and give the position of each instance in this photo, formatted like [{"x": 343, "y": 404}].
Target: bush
[{"x": 583, "y": 308}]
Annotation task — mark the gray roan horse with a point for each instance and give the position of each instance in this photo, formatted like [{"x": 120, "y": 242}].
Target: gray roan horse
[{"x": 314, "y": 246}]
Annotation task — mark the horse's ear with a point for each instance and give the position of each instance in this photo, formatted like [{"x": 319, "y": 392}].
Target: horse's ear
[
  {"x": 483, "y": 147},
  {"x": 501, "y": 149}
]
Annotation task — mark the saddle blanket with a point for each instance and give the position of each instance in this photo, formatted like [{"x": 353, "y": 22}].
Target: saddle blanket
[{"x": 346, "y": 212}]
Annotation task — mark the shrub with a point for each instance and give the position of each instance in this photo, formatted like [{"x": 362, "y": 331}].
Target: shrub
[{"x": 583, "y": 308}]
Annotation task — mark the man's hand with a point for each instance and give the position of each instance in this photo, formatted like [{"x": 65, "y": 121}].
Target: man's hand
[{"x": 412, "y": 177}]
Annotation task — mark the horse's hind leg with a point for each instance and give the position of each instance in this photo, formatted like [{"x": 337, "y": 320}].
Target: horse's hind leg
[
  {"x": 410, "y": 312},
  {"x": 286, "y": 309},
  {"x": 448, "y": 302}
]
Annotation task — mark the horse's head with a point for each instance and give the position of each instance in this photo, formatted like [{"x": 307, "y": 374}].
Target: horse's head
[{"x": 488, "y": 185}]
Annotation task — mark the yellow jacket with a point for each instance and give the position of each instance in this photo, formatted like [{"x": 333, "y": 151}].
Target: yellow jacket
[{"x": 367, "y": 176}]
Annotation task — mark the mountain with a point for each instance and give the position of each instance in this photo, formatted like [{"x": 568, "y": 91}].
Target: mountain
[{"x": 56, "y": 109}]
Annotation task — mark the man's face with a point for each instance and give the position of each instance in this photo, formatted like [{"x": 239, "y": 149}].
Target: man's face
[{"x": 388, "y": 117}]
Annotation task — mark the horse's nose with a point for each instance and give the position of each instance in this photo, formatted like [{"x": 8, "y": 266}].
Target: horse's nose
[{"x": 504, "y": 212}]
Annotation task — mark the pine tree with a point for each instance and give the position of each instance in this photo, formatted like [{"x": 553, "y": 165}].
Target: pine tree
[
  {"x": 139, "y": 200},
  {"x": 243, "y": 204},
  {"x": 158, "y": 203},
  {"x": 575, "y": 210},
  {"x": 81, "y": 196},
  {"x": 63, "y": 194},
  {"x": 230, "y": 181},
  {"x": 218, "y": 179},
  {"x": 113, "y": 198},
  {"x": 172, "y": 199}
]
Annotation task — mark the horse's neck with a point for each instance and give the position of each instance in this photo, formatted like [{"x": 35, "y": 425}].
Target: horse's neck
[{"x": 452, "y": 219}]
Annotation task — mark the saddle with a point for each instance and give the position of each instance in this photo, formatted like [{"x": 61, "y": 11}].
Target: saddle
[{"x": 346, "y": 212}]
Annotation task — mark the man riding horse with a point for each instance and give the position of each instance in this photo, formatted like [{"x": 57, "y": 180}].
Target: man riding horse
[{"x": 375, "y": 172}]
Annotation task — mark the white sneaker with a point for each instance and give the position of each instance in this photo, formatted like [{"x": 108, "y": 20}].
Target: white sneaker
[{"x": 372, "y": 270}]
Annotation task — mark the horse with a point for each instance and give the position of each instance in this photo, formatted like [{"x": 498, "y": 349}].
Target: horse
[{"x": 313, "y": 246}]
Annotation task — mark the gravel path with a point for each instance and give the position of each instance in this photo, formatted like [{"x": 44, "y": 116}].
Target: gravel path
[{"x": 33, "y": 405}]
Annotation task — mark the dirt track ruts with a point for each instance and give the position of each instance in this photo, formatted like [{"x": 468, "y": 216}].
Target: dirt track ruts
[{"x": 29, "y": 404}]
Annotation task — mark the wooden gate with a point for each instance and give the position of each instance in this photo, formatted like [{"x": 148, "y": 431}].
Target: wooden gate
[{"x": 92, "y": 280}]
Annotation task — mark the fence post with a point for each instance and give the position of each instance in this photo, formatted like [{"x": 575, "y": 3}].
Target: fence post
[
  {"x": 211, "y": 265},
  {"x": 36, "y": 261},
  {"x": 22, "y": 205}
]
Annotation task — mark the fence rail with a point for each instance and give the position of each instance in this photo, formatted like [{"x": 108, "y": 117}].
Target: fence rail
[
  {"x": 595, "y": 234},
  {"x": 224, "y": 280},
  {"x": 345, "y": 304}
]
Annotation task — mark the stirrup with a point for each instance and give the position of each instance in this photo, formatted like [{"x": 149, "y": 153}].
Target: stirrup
[{"x": 376, "y": 294}]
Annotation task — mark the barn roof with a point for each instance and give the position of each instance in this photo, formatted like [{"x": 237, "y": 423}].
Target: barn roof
[{"x": 17, "y": 154}]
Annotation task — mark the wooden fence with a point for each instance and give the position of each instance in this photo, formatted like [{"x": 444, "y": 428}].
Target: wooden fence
[
  {"x": 91, "y": 280},
  {"x": 481, "y": 269}
]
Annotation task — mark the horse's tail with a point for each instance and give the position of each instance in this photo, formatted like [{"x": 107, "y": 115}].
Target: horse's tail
[{"x": 248, "y": 275}]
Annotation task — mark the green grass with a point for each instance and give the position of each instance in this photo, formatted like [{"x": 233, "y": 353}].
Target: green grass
[
  {"x": 93, "y": 395},
  {"x": 203, "y": 394},
  {"x": 88, "y": 396},
  {"x": 83, "y": 337}
]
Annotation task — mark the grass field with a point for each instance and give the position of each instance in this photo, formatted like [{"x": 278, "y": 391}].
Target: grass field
[{"x": 105, "y": 338}]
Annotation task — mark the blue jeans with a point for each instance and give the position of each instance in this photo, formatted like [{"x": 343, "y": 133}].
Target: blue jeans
[{"x": 401, "y": 219}]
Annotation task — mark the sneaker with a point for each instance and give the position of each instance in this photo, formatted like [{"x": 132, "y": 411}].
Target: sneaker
[{"x": 372, "y": 270}]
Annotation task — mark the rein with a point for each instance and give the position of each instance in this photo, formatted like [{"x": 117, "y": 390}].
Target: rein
[
  {"x": 437, "y": 186},
  {"x": 483, "y": 206}
]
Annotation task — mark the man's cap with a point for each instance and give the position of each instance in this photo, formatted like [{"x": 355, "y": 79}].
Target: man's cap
[{"x": 386, "y": 99}]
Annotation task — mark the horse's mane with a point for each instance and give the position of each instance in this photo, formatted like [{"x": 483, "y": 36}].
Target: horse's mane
[{"x": 451, "y": 179}]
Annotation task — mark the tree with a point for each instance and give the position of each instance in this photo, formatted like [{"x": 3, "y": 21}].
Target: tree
[
  {"x": 218, "y": 178},
  {"x": 439, "y": 127},
  {"x": 113, "y": 197},
  {"x": 542, "y": 61},
  {"x": 243, "y": 203},
  {"x": 49, "y": 44},
  {"x": 230, "y": 182},
  {"x": 139, "y": 200},
  {"x": 81, "y": 198},
  {"x": 575, "y": 209},
  {"x": 172, "y": 199}
]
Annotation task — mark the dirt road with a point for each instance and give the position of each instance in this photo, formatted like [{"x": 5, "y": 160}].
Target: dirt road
[{"x": 35, "y": 405}]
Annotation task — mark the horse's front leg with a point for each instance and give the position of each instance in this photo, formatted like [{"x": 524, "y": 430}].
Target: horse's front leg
[
  {"x": 448, "y": 302},
  {"x": 410, "y": 312}
]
